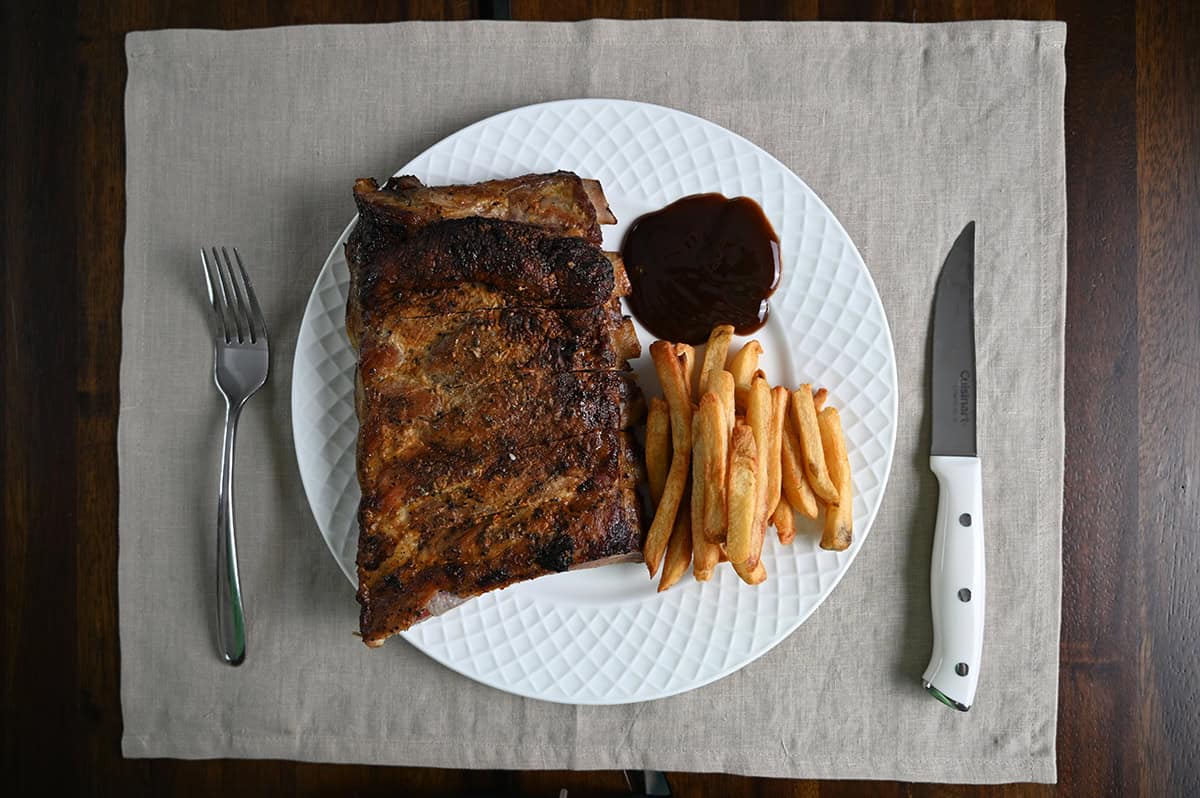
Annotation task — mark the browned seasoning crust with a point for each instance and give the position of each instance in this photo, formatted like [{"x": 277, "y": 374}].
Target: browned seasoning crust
[
  {"x": 523, "y": 409},
  {"x": 536, "y": 213},
  {"x": 439, "y": 485},
  {"x": 483, "y": 553},
  {"x": 517, "y": 260},
  {"x": 558, "y": 202},
  {"x": 459, "y": 348},
  {"x": 490, "y": 391}
]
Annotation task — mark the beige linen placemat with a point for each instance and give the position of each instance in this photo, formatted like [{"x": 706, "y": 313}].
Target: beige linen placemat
[{"x": 906, "y": 131}]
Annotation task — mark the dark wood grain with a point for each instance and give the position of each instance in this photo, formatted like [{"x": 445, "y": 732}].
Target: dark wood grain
[
  {"x": 1128, "y": 723},
  {"x": 1100, "y": 505},
  {"x": 40, "y": 360},
  {"x": 1168, "y": 332}
]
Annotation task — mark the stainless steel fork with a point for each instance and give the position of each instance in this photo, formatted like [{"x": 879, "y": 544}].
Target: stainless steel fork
[{"x": 240, "y": 363}]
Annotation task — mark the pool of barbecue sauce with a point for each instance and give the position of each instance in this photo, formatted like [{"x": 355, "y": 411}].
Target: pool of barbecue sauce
[{"x": 701, "y": 261}]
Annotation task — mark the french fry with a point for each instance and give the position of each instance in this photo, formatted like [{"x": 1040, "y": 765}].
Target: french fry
[
  {"x": 699, "y": 466},
  {"x": 679, "y": 551},
  {"x": 812, "y": 453},
  {"x": 795, "y": 487},
  {"x": 779, "y": 405},
  {"x": 688, "y": 354},
  {"x": 716, "y": 445},
  {"x": 671, "y": 375},
  {"x": 819, "y": 398},
  {"x": 839, "y": 520},
  {"x": 705, "y": 556},
  {"x": 724, "y": 389},
  {"x": 745, "y": 363},
  {"x": 751, "y": 576},
  {"x": 670, "y": 369},
  {"x": 714, "y": 354},
  {"x": 708, "y": 435},
  {"x": 758, "y": 417},
  {"x": 757, "y": 576},
  {"x": 742, "y": 493},
  {"x": 742, "y": 367},
  {"x": 658, "y": 447},
  {"x": 784, "y": 521}
]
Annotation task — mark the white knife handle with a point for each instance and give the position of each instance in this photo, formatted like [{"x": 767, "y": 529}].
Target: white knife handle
[{"x": 956, "y": 581}]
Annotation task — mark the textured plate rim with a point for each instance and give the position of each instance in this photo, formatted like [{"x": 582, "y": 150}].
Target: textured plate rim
[{"x": 886, "y": 333}]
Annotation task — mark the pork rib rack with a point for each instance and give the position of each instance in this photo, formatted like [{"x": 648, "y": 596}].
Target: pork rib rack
[{"x": 492, "y": 393}]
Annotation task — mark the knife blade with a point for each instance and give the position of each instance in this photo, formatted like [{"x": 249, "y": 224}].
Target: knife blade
[{"x": 956, "y": 583}]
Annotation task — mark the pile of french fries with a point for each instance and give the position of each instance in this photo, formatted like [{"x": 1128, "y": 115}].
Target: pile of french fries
[{"x": 733, "y": 456}]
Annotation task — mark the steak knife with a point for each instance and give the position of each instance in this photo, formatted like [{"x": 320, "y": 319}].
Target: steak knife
[{"x": 956, "y": 584}]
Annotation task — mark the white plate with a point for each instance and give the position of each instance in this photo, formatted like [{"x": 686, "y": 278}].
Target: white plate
[{"x": 604, "y": 636}]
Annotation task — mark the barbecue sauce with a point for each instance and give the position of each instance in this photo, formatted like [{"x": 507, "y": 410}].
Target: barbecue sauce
[{"x": 702, "y": 261}]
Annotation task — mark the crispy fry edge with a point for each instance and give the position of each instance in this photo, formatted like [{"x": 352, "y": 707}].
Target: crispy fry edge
[
  {"x": 670, "y": 370},
  {"x": 784, "y": 520},
  {"x": 658, "y": 447},
  {"x": 715, "y": 353},
  {"x": 679, "y": 551},
  {"x": 779, "y": 404},
  {"x": 812, "y": 453},
  {"x": 712, "y": 417},
  {"x": 742, "y": 492},
  {"x": 795, "y": 485},
  {"x": 758, "y": 416},
  {"x": 838, "y": 533}
]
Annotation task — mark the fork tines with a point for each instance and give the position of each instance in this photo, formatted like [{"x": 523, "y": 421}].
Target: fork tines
[{"x": 237, "y": 316}]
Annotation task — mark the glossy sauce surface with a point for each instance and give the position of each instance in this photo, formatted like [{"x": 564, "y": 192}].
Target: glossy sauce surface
[{"x": 701, "y": 261}]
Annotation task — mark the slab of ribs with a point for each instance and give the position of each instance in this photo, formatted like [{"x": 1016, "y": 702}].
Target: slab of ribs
[{"x": 493, "y": 392}]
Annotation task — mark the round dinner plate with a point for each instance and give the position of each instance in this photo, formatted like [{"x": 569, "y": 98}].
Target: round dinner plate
[{"x": 604, "y": 635}]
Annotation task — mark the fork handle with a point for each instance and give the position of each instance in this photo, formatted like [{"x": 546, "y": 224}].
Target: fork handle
[{"x": 231, "y": 622}]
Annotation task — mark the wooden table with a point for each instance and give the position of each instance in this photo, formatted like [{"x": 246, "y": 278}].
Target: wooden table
[{"x": 1129, "y": 702}]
